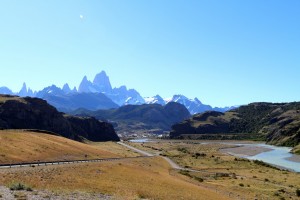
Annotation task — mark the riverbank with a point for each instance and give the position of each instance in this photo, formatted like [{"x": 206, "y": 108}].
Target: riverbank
[{"x": 245, "y": 151}]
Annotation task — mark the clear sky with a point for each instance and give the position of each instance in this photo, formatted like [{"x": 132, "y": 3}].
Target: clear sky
[{"x": 223, "y": 52}]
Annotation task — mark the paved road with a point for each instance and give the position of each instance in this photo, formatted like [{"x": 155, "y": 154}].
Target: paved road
[
  {"x": 136, "y": 150},
  {"x": 5, "y": 166},
  {"x": 143, "y": 153},
  {"x": 31, "y": 164},
  {"x": 171, "y": 162}
]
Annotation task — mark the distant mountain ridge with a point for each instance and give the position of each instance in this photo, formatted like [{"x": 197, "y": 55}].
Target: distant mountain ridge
[
  {"x": 102, "y": 95},
  {"x": 153, "y": 118}
]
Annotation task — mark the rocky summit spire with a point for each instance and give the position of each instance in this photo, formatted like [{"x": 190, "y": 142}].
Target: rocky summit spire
[
  {"x": 86, "y": 86},
  {"x": 66, "y": 88},
  {"x": 23, "y": 92},
  {"x": 102, "y": 83}
]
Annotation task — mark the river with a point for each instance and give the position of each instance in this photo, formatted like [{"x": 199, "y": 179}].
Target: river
[{"x": 279, "y": 156}]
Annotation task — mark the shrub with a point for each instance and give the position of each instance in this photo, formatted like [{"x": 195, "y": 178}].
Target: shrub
[
  {"x": 185, "y": 173},
  {"x": 199, "y": 155},
  {"x": 259, "y": 162},
  {"x": 298, "y": 192},
  {"x": 183, "y": 150},
  {"x": 198, "y": 179},
  {"x": 281, "y": 190},
  {"x": 241, "y": 184},
  {"x": 19, "y": 186}
]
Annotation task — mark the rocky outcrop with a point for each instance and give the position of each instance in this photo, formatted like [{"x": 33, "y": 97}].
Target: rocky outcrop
[
  {"x": 34, "y": 113},
  {"x": 277, "y": 124}
]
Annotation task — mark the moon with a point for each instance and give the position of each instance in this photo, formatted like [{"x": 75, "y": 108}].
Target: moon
[{"x": 81, "y": 16}]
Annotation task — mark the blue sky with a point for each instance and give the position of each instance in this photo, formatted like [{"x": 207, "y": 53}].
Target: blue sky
[{"x": 223, "y": 52}]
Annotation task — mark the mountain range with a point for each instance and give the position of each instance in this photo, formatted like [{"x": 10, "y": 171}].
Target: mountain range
[{"x": 99, "y": 94}]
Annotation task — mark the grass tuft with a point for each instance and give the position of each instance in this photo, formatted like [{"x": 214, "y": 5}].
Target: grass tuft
[{"x": 19, "y": 186}]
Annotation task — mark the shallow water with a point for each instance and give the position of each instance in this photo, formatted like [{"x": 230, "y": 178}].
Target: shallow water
[
  {"x": 140, "y": 140},
  {"x": 277, "y": 156}
]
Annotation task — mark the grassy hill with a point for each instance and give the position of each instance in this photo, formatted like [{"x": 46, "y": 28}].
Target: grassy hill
[
  {"x": 276, "y": 123},
  {"x": 27, "y": 146}
]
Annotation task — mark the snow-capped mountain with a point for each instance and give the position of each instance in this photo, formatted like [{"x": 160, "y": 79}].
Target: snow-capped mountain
[
  {"x": 101, "y": 84},
  {"x": 124, "y": 96},
  {"x": 155, "y": 100},
  {"x": 193, "y": 105},
  {"x": 52, "y": 90},
  {"x": 88, "y": 91}
]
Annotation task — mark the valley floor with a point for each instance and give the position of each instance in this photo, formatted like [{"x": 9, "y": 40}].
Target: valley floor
[
  {"x": 130, "y": 178},
  {"x": 235, "y": 177},
  {"x": 199, "y": 171}
]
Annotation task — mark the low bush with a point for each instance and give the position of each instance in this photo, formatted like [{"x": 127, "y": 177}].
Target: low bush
[
  {"x": 259, "y": 162},
  {"x": 198, "y": 179},
  {"x": 19, "y": 186},
  {"x": 185, "y": 173},
  {"x": 298, "y": 192}
]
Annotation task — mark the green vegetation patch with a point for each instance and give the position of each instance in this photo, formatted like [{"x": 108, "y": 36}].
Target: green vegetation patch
[
  {"x": 259, "y": 162},
  {"x": 19, "y": 186}
]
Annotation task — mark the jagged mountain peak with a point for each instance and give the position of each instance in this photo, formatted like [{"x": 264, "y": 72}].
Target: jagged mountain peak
[
  {"x": 23, "y": 92},
  {"x": 197, "y": 100},
  {"x": 84, "y": 78},
  {"x": 101, "y": 83},
  {"x": 66, "y": 88},
  {"x": 53, "y": 90},
  {"x": 86, "y": 86}
]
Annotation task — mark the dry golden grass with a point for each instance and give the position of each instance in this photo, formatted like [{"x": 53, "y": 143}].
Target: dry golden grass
[
  {"x": 135, "y": 178},
  {"x": 22, "y": 146},
  {"x": 114, "y": 148},
  {"x": 251, "y": 180},
  {"x": 4, "y": 99}
]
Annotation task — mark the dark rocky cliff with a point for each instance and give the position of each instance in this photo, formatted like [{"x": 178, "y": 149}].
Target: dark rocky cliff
[{"x": 34, "y": 113}]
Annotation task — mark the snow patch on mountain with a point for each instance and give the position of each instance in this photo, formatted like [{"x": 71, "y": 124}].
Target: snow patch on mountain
[{"x": 155, "y": 100}]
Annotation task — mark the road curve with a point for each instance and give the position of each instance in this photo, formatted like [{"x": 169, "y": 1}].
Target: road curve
[
  {"x": 144, "y": 153},
  {"x": 171, "y": 162}
]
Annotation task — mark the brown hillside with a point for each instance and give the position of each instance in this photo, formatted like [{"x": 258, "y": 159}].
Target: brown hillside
[{"x": 23, "y": 146}]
